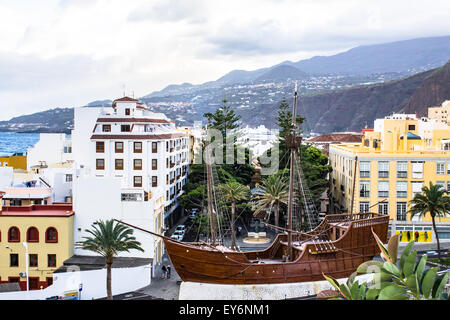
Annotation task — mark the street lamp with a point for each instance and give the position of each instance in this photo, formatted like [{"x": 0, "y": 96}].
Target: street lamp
[{"x": 26, "y": 261}]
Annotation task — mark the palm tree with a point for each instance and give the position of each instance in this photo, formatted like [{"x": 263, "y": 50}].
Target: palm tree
[
  {"x": 432, "y": 200},
  {"x": 108, "y": 239},
  {"x": 273, "y": 193},
  {"x": 234, "y": 191}
]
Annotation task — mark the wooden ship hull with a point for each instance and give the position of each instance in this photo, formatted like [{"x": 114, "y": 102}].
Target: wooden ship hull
[{"x": 347, "y": 242}]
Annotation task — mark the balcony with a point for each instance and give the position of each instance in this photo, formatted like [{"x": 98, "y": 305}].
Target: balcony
[{"x": 172, "y": 164}]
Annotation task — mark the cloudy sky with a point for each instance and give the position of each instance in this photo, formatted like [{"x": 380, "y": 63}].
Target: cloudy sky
[{"x": 67, "y": 53}]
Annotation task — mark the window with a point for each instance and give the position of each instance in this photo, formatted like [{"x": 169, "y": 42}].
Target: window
[
  {"x": 154, "y": 147},
  {"x": 13, "y": 234},
  {"x": 118, "y": 164},
  {"x": 440, "y": 167},
  {"x": 100, "y": 164},
  {"x": 13, "y": 260},
  {"x": 154, "y": 181},
  {"x": 448, "y": 186},
  {"x": 401, "y": 211},
  {"x": 69, "y": 178},
  {"x": 119, "y": 147},
  {"x": 154, "y": 164},
  {"x": 402, "y": 189},
  {"x": 125, "y": 128},
  {"x": 417, "y": 170},
  {"x": 364, "y": 189},
  {"x": 32, "y": 234},
  {"x": 364, "y": 169},
  {"x": 416, "y": 187},
  {"x": 51, "y": 260},
  {"x": 402, "y": 169},
  {"x": 106, "y": 128},
  {"x": 137, "y": 164},
  {"x": 383, "y": 189},
  {"x": 411, "y": 127},
  {"x": 383, "y": 169},
  {"x": 364, "y": 206},
  {"x": 137, "y": 181},
  {"x": 383, "y": 208},
  {"x": 100, "y": 146},
  {"x": 33, "y": 260},
  {"x": 127, "y": 111},
  {"x": 448, "y": 167},
  {"x": 137, "y": 147},
  {"x": 441, "y": 183},
  {"x": 51, "y": 235},
  {"x": 131, "y": 197}
]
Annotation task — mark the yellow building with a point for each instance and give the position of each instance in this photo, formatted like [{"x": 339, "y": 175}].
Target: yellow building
[
  {"x": 47, "y": 230},
  {"x": 441, "y": 113},
  {"x": 17, "y": 161},
  {"x": 395, "y": 159}
]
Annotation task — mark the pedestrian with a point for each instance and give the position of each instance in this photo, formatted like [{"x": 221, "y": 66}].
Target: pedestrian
[
  {"x": 164, "y": 270},
  {"x": 168, "y": 271}
]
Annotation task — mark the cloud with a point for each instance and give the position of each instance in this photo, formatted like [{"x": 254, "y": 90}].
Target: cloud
[
  {"x": 70, "y": 52},
  {"x": 170, "y": 11}
]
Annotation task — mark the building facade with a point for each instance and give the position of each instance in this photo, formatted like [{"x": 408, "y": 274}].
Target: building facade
[
  {"x": 46, "y": 230},
  {"x": 142, "y": 149},
  {"x": 394, "y": 161},
  {"x": 16, "y": 160},
  {"x": 441, "y": 113}
]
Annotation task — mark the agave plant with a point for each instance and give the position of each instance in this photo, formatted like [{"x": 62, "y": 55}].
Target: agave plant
[{"x": 405, "y": 279}]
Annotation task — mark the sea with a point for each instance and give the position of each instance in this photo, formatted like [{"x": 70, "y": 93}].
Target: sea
[{"x": 11, "y": 142}]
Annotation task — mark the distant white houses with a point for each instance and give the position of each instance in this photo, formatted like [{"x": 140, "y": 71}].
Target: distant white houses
[{"x": 258, "y": 140}]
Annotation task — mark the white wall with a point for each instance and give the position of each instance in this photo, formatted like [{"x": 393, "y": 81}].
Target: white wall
[
  {"x": 93, "y": 284},
  {"x": 84, "y": 123},
  {"x": 6, "y": 177},
  {"x": 99, "y": 198},
  {"x": 94, "y": 199},
  {"x": 56, "y": 177},
  {"x": 49, "y": 148}
]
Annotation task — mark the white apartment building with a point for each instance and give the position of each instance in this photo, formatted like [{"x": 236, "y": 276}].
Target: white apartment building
[{"x": 142, "y": 149}]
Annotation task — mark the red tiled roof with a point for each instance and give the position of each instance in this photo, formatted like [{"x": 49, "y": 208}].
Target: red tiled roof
[
  {"x": 138, "y": 136},
  {"x": 338, "y": 137},
  {"x": 126, "y": 99},
  {"x": 132, "y": 120},
  {"x": 53, "y": 210}
]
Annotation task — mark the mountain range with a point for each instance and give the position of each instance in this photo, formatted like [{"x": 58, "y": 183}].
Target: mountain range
[{"x": 342, "y": 92}]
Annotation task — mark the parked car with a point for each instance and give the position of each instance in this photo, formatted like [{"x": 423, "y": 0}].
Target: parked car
[
  {"x": 178, "y": 235},
  {"x": 181, "y": 227}
]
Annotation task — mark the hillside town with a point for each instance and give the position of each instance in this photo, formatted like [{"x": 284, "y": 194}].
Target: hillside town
[{"x": 127, "y": 163}]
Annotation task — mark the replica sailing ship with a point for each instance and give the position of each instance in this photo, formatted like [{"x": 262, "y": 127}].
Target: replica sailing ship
[{"x": 335, "y": 247}]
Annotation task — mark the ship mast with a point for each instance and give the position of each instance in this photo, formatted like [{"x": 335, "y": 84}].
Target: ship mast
[
  {"x": 210, "y": 194},
  {"x": 293, "y": 143}
]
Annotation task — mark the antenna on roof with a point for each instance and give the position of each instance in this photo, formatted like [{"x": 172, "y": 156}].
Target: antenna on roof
[
  {"x": 124, "y": 90},
  {"x": 133, "y": 94}
]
